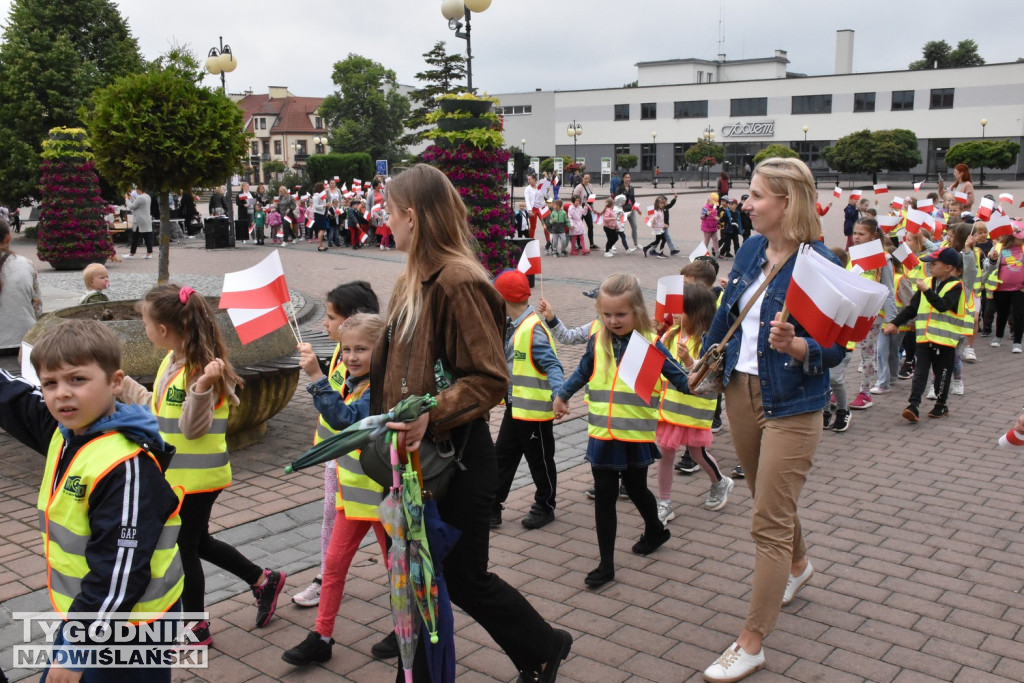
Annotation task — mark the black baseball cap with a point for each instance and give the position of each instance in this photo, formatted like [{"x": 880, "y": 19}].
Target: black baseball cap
[{"x": 949, "y": 256}]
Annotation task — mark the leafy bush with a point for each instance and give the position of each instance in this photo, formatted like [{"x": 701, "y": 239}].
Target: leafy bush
[
  {"x": 345, "y": 166},
  {"x": 775, "y": 151}
]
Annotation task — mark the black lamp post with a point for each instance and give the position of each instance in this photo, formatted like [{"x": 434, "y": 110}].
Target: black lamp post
[
  {"x": 709, "y": 138},
  {"x": 452, "y": 11},
  {"x": 981, "y": 179},
  {"x": 574, "y": 130},
  {"x": 222, "y": 61}
]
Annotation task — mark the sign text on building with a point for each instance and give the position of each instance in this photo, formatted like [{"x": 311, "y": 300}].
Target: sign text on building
[{"x": 751, "y": 129}]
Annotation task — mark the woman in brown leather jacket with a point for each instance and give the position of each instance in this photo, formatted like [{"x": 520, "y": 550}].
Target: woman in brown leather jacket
[{"x": 444, "y": 311}]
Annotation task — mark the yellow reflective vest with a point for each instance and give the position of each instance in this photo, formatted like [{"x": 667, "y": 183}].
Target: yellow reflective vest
[
  {"x": 940, "y": 327},
  {"x": 531, "y": 390},
  {"x": 336, "y": 378},
  {"x": 357, "y": 494},
  {"x": 616, "y": 412},
  {"x": 676, "y": 407},
  {"x": 63, "y": 512},
  {"x": 201, "y": 464}
]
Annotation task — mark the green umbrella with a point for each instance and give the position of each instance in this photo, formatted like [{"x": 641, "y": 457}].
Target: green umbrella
[{"x": 357, "y": 435}]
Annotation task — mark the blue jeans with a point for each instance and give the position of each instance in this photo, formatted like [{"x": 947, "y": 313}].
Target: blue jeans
[
  {"x": 332, "y": 235},
  {"x": 888, "y": 356}
]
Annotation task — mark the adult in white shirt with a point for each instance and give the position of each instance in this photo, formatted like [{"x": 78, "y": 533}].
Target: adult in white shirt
[{"x": 534, "y": 197}]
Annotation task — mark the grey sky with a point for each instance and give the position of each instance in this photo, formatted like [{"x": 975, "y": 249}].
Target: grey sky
[{"x": 555, "y": 44}]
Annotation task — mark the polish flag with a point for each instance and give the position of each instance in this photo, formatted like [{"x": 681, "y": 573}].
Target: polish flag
[
  {"x": 309, "y": 222},
  {"x": 529, "y": 262},
  {"x": 837, "y": 192},
  {"x": 288, "y": 219},
  {"x": 985, "y": 209},
  {"x": 356, "y": 182},
  {"x": 855, "y": 194},
  {"x": 1006, "y": 197},
  {"x": 253, "y": 323},
  {"x": 915, "y": 219},
  {"x": 344, "y": 187},
  {"x": 1011, "y": 439},
  {"x": 960, "y": 197},
  {"x": 636, "y": 207},
  {"x": 367, "y": 185},
  {"x": 905, "y": 256},
  {"x": 917, "y": 186},
  {"x": 926, "y": 204},
  {"x": 999, "y": 226},
  {"x": 897, "y": 203},
  {"x": 881, "y": 188},
  {"x": 591, "y": 198},
  {"x": 364, "y": 238},
  {"x": 937, "y": 225},
  {"x": 869, "y": 256},
  {"x": 337, "y": 178},
  {"x": 260, "y": 286},
  {"x": 545, "y": 211},
  {"x": 245, "y": 197},
  {"x": 650, "y": 211},
  {"x": 889, "y": 223},
  {"x": 669, "y": 301},
  {"x": 865, "y": 297},
  {"x": 815, "y": 303},
  {"x": 700, "y": 250},
  {"x": 376, "y": 208},
  {"x": 640, "y": 367}
]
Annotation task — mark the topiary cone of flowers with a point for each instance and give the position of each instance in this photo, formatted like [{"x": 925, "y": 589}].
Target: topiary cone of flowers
[
  {"x": 475, "y": 160},
  {"x": 72, "y": 229}
]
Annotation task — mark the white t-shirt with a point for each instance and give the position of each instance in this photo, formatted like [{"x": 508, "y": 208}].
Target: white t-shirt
[{"x": 749, "y": 328}]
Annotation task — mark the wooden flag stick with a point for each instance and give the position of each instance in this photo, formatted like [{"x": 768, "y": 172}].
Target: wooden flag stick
[{"x": 295, "y": 330}]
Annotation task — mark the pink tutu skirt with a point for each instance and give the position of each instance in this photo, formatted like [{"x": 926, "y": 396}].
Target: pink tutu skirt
[{"x": 673, "y": 437}]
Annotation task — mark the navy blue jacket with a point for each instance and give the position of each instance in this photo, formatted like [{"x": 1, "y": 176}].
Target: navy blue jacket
[{"x": 788, "y": 387}]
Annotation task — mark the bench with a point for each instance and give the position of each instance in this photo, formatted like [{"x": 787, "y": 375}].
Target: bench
[{"x": 826, "y": 176}]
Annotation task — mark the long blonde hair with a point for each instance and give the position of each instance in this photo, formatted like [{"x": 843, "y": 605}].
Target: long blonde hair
[
  {"x": 790, "y": 178},
  {"x": 619, "y": 284},
  {"x": 439, "y": 237}
]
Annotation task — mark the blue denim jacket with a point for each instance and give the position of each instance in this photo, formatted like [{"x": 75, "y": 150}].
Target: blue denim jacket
[{"x": 788, "y": 387}]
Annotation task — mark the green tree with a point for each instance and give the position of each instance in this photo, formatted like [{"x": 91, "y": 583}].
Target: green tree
[
  {"x": 775, "y": 151},
  {"x": 52, "y": 56},
  {"x": 366, "y": 113},
  {"x": 163, "y": 130},
  {"x": 984, "y": 153},
  {"x": 703, "y": 152},
  {"x": 870, "y": 152},
  {"x": 939, "y": 54},
  {"x": 548, "y": 164},
  {"x": 345, "y": 166},
  {"x": 445, "y": 75},
  {"x": 625, "y": 162}
]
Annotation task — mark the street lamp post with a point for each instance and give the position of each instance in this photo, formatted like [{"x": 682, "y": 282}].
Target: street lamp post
[
  {"x": 319, "y": 142},
  {"x": 574, "y": 130},
  {"x": 806, "y": 128},
  {"x": 452, "y": 10},
  {"x": 981, "y": 179},
  {"x": 654, "y": 153},
  {"x": 709, "y": 138},
  {"x": 220, "y": 61}
]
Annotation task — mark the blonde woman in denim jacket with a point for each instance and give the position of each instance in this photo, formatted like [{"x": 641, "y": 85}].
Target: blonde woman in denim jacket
[{"x": 777, "y": 384}]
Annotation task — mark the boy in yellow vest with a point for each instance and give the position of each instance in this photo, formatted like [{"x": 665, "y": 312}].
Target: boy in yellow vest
[
  {"x": 527, "y": 428},
  {"x": 108, "y": 517},
  {"x": 938, "y": 310}
]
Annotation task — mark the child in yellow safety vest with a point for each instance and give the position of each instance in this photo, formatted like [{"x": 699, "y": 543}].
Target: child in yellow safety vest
[
  {"x": 357, "y": 496},
  {"x": 939, "y": 312},
  {"x": 866, "y": 231},
  {"x": 621, "y": 424},
  {"x": 685, "y": 419},
  {"x": 192, "y": 397}
]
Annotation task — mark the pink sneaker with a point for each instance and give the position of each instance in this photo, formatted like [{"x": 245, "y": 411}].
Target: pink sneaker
[{"x": 862, "y": 401}]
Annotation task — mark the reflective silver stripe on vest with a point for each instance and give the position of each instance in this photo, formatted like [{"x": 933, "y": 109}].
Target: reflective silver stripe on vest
[
  {"x": 531, "y": 404},
  {"x": 350, "y": 464},
  {"x": 158, "y": 586},
  {"x": 323, "y": 431},
  {"x": 621, "y": 398},
  {"x": 532, "y": 382},
  {"x": 74, "y": 544},
  {"x": 623, "y": 424},
  {"x": 169, "y": 425},
  {"x": 198, "y": 461},
  {"x": 688, "y": 410},
  {"x": 361, "y": 496}
]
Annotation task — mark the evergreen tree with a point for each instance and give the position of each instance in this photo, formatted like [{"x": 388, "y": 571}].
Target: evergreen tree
[
  {"x": 52, "y": 56},
  {"x": 445, "y": 75}
]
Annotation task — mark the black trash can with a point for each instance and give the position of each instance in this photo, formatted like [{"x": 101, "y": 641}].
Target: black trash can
[{"x": 219, "y": 234}]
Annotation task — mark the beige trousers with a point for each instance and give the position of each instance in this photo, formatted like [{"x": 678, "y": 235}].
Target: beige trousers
[{"x": 776, "y": 456}]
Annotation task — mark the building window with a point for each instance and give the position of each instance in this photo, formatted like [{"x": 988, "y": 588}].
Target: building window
[
  {"x": 810, "y": 152},
  {"x": 621, "y": 112},
  {"x": 749, "y": 106},
  {"x": 255, "y": 148},
  {"x": 902, "y": 100},
  {"x": 700, "y": 76},
  {"x": 266, "y": 146},
  {"x": 812, "y": 104},
  {"x": 300, "y": 147},
  {"x": 694, "y": 109},
  {"x": 277, "y": 147},
  {"x": 648, "y": 110},
  {"x": 516, "y": 110},
  {"x": 679, "y": 156},
  {"x": 647, "y": 160},
  {"x": 942, "y": 98},
  {"x": 319, "y": 122},
  {"x": 263, "y": 123},
  {"x": 864, "y": 101}
]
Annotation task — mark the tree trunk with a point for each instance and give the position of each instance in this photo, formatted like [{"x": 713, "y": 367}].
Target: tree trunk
[{"x": 163, "y": 265}]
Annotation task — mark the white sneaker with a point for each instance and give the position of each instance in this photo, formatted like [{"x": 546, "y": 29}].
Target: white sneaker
[
  {"x": 996, "y": 342},
  {"x": 956, "y": 387},
  {"x": 609, "y": 254},
  {"x": 128, "y": 256},
  {"x": 734, "y": 665},
  {"x": 931, "y": 393},
  {"x": 665, "y": 513},
  {"x": 879, "y": 390},
  {"x": 148, "y": 256},
  {"x": 1017, "y": 349},
  {"x": 969, "y": 355},
  {"x": 795, "y": 583},
  {"x": 718, "y": 495},
  {"x": 632, "y": 249},
  {"x": 310, "y": 597}
]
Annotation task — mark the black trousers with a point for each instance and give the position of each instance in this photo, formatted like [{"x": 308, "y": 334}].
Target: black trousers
[
  {"x": 1009, "y": 306},
  {"x": 613, "y": 235},
  {"x": 729, "y": 242},
  {"x": 659, "y": 242},
  {"x": 588, "y": 218},
  {"x": 147, "y": 238},
  {"x": 503, "y": 612},
  {"x": 242, "y": 229},
  {"x": 932, "y": 357},
  {"x": 606, "y": 493},
  {"x": 195, "y": 543},
  {"x": 536, "y": 441}
]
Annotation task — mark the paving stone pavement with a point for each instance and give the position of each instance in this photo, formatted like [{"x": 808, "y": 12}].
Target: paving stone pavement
[{"x": 915, "y": 531}]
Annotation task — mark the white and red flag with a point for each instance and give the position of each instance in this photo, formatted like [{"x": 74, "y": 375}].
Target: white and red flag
[
  {"x": 700, "y": 250},
  {"x": 917, "y": 186},
  {"x": 938, "y": 226},
  {"x": 889, "y": 223},
  {"x": 926, "y": 204},
  {"x": 1006, "y": 197},
  {"x": 999, "y": 226},
  {"x": 261, "y": 286},
  {"x": 650, "y": 211},
  {"x": 1011, "y": 439},
  {"x": 253, "y": 323},
  {"x": 544, "y": 211},
  {"x": 356, "y": 182},
  {"x": 881, "y": 188},
  {"x": 640, "y": 367},
  {"x": 985, "y": 209},
  {"x": 669, "y": 301},
  {"x": 529, "y": 262},
  {"x": 591, "y": 199},
  {"x": 837, "y": 192},
  {"x": 869, "y": 256},
  {"x": 815, "y": 303},
  {"x": 855, "y": 194},
  {"x": 897, "y": 203},
  {"x": 906, "y": 256},
  {"x": 915, "y": 219},
  {"x": 309, "y": 222},
  {"x": 960, "y": 197}
]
